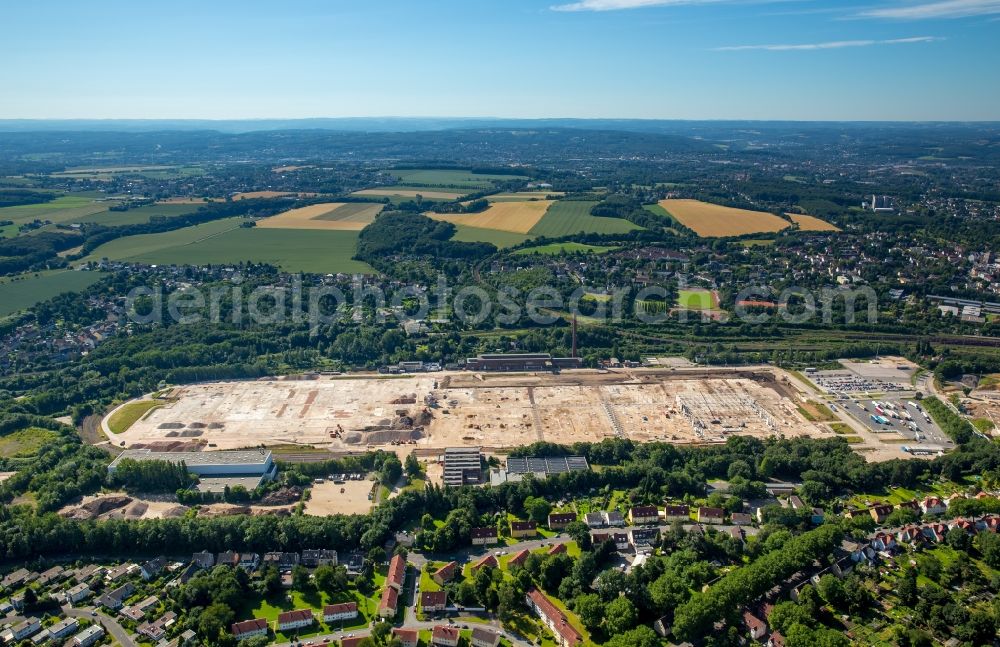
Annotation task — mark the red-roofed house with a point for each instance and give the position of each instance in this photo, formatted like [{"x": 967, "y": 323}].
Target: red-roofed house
[
  {"x": 553, "y": 618},
  {"x": 933, "y": 505},
  {"x": 433, "y": 601},
  {"x": 388, "y": 604},
  {"x": 558, "y": 549},
  {"x": 519, "y": 559},
  {"x": 489, "y": 561},
  {"x": 754, "y": 625},
  {"x": 341, "y": 611},
  {"x": 445, "y": 573},
  {"x": 250, "y": 628},
  {"x": 292, "y": 620},
  {"x": 397, "y": 572},
  {"x": 408, "y": 637},
  {"x": 445, "y": 636}
]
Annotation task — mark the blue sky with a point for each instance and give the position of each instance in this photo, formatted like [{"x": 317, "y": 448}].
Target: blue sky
[{"x": 671, "y": 59}]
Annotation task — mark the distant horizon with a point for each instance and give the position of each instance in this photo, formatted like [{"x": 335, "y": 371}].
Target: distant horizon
[{"x": 685, "y": 60}]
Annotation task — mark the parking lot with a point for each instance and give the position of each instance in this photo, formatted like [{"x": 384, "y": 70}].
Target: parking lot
[
  {"x": 916, "y": 427},
  {"x": 849, "y": 382}
]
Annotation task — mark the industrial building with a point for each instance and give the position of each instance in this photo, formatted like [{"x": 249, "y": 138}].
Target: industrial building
[
  {"x": 462, "y": 466},
  {"x": 521, "y": 362},
  {"x": 537, "y": 466},
  {"x": 215, "y": 470}
]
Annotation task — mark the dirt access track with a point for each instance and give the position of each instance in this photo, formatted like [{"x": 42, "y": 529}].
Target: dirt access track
[{"x": 491, "y": 410}]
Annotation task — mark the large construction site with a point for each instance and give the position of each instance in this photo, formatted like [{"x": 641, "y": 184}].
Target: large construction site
[{"x": 489, "y": 410}]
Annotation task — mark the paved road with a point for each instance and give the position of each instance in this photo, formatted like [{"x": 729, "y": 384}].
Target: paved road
[{"x": 110, "y": 624}]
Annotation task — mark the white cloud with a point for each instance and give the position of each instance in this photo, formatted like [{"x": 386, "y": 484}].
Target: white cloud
[
  {"x": 836, "y": 44},
  {"x": 615, "y": 5},
  {"x": 940, "y": 9}
]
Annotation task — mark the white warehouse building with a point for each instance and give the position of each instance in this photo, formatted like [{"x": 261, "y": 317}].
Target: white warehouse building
[{"x": 215, "y": 470}]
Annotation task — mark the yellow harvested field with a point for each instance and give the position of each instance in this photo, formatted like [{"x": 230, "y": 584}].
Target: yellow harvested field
[
  {"x": 516, "y": 217},
  {"x": 713, "y": 220},
  {"x": 811, "y": 223},
  {"x": 411, "y": 193},
  {"x": 336, "y": 216}
]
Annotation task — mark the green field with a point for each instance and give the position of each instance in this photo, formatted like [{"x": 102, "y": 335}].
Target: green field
[
  {"x": 695, "y": 299},
  {"x": 555, "y": 249},
  {"x": 67, "y": 208},
  {"x": 501, "y": 239},
  {"x": 452, "y": 177},
  {"x": 568, "y": 217},
  {"x": 225, "y": 242},
  {"x": 128, "y": 414},
  {"x": 25, "y": 442},
  {"x": 25, "y": 290},
  {"x": 140, "y": 215}
]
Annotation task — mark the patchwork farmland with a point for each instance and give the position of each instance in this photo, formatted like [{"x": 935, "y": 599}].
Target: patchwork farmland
[
  {"x": 811, "y": 223},
  {"x": 568, "y": 217},
  {"x": 714, "y": 221},
  {"x": 336, "y": 216},
  {"x": 515, "y": 217},
  {"x": 409, "y": 192}
]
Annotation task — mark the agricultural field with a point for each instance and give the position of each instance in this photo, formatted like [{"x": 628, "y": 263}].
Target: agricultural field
[
  {"x": 67, "y": 208},
  {"x": 515, "y": 217},
  {"x": 523, "y": 195},
  {"x": 336, "y": 216},
  {"x": 555, "y": 249},
  {"x": 501, "y": 239},
  {"x": 568, "y": 217},
  {"x": 697, "y": 299},
  {"x": 452, "y": 178},
  {"x": 26, "y": 290},
  {"x": 136, "y": 247},
  {"x": 140, "y": 215},
  {"x": 713, "y": 220},
  {"x": 811, "y": 223},
  {"x": 408, "y": 193}
]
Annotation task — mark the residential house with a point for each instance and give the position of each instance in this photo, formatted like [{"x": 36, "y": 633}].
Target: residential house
[
  {"x": 54, "y": 574},
  {"x": 228, "y": 558},
  {"x": 776, "y": 639},
  {"x": 519, "y": 559},
  {"x": 281, "y": 561},
  {"x": 643, "y": 538},
  {"x": 594, "y": 519},
  {"x": 397, "y": 572},
  {"x": 489, "y": 561},
  {"x": 294, "y": 620},
  {"x": 63, "y": 628},
  {"x": 77, "y": 593},
  {"x": 118, "y": 572},
  {"x": 643, "y": 514},
  {"x": 340, "y": 612},
  {"x": 963, "y": 524},
  {"x": 25, "y": 629},
  {"x": 879, "y": 512},
  {"x": 754, "y": 625},
  {"x": 711, "y": 515},
  {"x": 352, "y": 642},
  {"x": 389, "y": 603},
  {"x": 520, "y": 529},
  {"x": 17, "y": 578},
  {"x": 557, "y": 549},
  {"x": 204, "y": 559},
  {"x": 484, "y": 536},
  {"x": 554, "y": 619},
  {"x": 740, "y": 519},
  {"x": 483, "y": 637},
  {"x": 679, "y": 512},
  {"x": 935, "y": 531},
  {"x": 115, "y": 599},
  {"x": 559, "y": 520},
  {"x": 796, "y": 502},
  {"x": 407, "y": 637},
  {"x": 249, "y": 628},
  {"x": 736, "y": 533},
  {"x": 139, "y": 610},
  {"x": 319, "y": 557},
  {"x": 152, "y": 568},
  {"x": 883, "y": 541},
  {"x": 446, "y": 573},
  {"x": 433, "y": 601},
  {"x": 445, "y": 636},
  {"x": 614, "y": 519},
  {"x": 249, "y": 562},
  {"x": 621, "y": 539},
  {"x": 910, "y": 535},
  {"x": 912, "y": 505},
  {"x": 87, "y": 637},
  {"x": 933, "y": 505},
  {"x": 157, "y": 629}
]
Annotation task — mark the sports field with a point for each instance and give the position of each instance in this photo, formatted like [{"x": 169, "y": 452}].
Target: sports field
[
  {"x": 811, "y": 223},
  {"x": 26, "y": 290},
  {"x": 410, "y": 192},
  {"x": 713, "y": 220},
  {"x": 555, "y": 249},
  {"x": 224, "y": 241},
  {"x": 568, "y": 217},
  {"x": 335, "y": 216},
  {"x": 697, "y": 299},
  {"x": 452, "y": 178},
  {"x": 515, "y": 217}
]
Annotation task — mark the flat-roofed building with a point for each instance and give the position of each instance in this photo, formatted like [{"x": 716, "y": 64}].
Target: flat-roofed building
[
  {"x": 215, "y": 470},
  {"x": 462, "y": 466}
]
